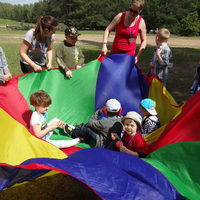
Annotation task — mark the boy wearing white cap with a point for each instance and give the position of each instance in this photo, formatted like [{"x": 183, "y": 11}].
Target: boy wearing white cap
[
  {"x": 132, "y": 140},
  {"x": 150, "y": 121},
  {"x": 99, "y": 124}
]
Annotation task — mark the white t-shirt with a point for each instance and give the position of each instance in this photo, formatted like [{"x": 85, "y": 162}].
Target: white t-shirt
[
  {"x": 39, "y": 119},
  {"x": 37, "y": 52}
]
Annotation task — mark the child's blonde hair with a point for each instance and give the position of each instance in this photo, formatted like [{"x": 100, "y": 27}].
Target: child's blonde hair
[
  {"x": 40, "y": 98},
  {"x": 139, "y": 3},
  {"x": 163, "y": 34}
]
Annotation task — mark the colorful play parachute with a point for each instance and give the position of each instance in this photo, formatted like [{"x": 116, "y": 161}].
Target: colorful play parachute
[{"x": 169, "y": 172}]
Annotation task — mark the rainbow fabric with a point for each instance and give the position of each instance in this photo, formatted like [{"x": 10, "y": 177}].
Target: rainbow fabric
[{"x": 169, "y": 172}]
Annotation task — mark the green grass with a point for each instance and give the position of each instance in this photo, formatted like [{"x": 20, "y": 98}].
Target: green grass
[
  {"x": 181, "y": 75},
  {"x": 12, "y": 22}
]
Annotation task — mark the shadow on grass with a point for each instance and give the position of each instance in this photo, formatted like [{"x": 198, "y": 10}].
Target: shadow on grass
[{"x": 54, "y": 187}]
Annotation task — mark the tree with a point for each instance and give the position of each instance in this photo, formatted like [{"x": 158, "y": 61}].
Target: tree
[
  {"x": 179, "y": 16},
  {"x": 190, "y": 25}
]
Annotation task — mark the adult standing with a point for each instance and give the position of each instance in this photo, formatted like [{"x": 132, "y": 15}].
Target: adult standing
[
  {"x": 37, "y": 45},
  {"x": 128, "y": 25}
]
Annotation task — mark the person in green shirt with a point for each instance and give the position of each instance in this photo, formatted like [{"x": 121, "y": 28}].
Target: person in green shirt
[{"x": 68, "y": 55}]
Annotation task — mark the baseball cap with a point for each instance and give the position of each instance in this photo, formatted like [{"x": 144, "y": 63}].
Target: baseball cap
[
  {"x": 149, "y": 105},
  {"x": 112, "y": 105},
  {"x": 134, "y": 116},
  {"x": 71, "y": 31}
]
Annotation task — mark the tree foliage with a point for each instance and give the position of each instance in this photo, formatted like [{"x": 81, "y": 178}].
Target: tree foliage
[{"x": 180, "y": 16}]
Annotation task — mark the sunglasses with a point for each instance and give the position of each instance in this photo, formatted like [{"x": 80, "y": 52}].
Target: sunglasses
[{"x": 134, "y": 11}]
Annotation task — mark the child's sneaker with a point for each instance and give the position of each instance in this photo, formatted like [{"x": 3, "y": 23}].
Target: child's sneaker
[{"x": 69, "y": 129}]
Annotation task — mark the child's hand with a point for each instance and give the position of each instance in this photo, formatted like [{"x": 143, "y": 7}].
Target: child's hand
[
  {"x": 136, "y": 59},
  {"x": 57, "y": 124},
  {"x": 104, "y": 50},
  {"x": 49, "y": 66},
  {"x": 151, "y": 64},
  {"x": 78, "y": 66},
  {"x": 60, "y": 124},
  {"x": 114, "y": 136},
  {"x": 69, "y": 74},
  {"x": 37, "y": 68},
  {"x": 122, "y": 148},
  {"x": 158, "y": 52},
  {"x": 7, "y": 77},
  {"x": 54, "y": 125}
]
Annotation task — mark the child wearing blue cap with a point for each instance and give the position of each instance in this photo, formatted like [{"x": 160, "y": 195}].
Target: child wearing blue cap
[{"x": 150, "y": 120}]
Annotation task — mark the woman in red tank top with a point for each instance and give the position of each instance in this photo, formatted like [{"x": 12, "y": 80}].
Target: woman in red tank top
[{"x": 127, "y": 24}]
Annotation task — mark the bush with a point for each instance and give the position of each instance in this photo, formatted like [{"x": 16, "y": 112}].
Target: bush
[{"x": 189, "y": 26}]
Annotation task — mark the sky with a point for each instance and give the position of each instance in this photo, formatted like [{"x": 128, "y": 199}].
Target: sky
[{"x": 19, "y": 1}]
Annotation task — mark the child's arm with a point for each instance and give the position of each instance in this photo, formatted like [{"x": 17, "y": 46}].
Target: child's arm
[
  {"x": 122, "y": 148},
  {"x": 23, "y": 53},
  {"x": 41, "y": 133},
  {"x": 94, "y": 123},
  {"x": 50, "y": 55},
  {"x": 81, "y": 58},
  {"x": 60, "y": 62},
  {"x": 7, "y": 76},
  {"x": 158, "y": 54},
  {"x": 164, "y": 58}
]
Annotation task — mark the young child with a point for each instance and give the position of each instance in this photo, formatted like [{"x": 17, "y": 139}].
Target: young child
[
  {"x": 196, "y": 82},
  {"x": 68, "y": 54},
  {"x": 97, "y": 128},
  {"x": 39, "y": 122},
  {"x": 132, "y": 141},
  {"x": 150, "y": 121},
  {"x": 4, "y": 71},
  {"x": 162, "y": 56}
]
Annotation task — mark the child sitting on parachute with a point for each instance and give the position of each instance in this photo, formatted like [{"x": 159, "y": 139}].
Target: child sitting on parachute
[
  {"x": 39, "y": 121},
  {"x": 132, "y": 140},
  {"x": 97, "y": 129},
  {"x": 150, "y": 120}
]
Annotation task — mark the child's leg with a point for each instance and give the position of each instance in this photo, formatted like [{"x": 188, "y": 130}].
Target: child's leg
[
  {"x": 64, "y": 143},
  {"x": 86, "y": 133}
]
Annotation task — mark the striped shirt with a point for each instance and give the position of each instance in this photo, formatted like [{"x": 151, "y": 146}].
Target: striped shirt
[{"x": 150, "y": 124}]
